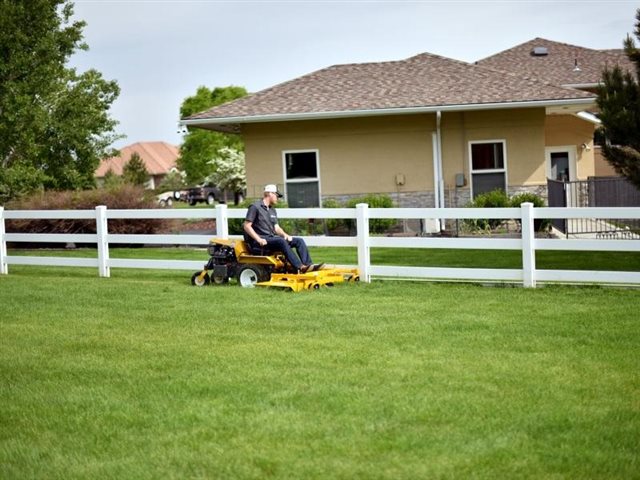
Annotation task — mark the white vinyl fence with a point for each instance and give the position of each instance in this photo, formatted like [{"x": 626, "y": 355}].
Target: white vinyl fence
[{"x": 528, "y": 275}]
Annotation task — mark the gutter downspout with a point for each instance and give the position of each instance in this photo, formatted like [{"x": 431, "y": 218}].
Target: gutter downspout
[{"x": 438, "y": 183}]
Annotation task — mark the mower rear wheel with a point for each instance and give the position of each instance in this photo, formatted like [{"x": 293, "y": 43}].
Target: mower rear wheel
[
  {"x": 200, "y": 281},
  {"x": 249, "y": 275}
]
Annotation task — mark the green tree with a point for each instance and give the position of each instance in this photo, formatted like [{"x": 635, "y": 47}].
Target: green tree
[
  {"x": 199, "y": 145},
  {"x": 54, "y": 121},
  {"x": 229, "y": 171},
  {"x": 134, "y": 171},
  {"x": 172, "y": 181},
  {"x": 111, "y": 180},
  {"x": 619, "y": 103}
]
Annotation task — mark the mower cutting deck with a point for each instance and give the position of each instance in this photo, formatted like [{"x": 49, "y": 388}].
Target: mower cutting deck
[
  {"x": 229, "y": 259},
  {"x": 313, "y": 280}
]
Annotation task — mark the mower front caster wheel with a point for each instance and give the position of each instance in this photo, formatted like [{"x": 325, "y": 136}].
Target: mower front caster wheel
[{"x": 200, "y": 280}]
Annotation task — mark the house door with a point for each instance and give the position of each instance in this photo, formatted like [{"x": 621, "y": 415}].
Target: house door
[{"x": 561, "y": 166}]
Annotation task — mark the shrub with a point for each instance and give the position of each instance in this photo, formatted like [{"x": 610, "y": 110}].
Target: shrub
[
  {"x": 539, "y": 224},
  {"x": 526, "y": 197},
  {"x": 122, "y": 197},
  {"x": 235, "y": 224},
  {"x": 332, "y": 224},
  {"x": 494, "y": 199},
  {"x": 379, "y": 225}
]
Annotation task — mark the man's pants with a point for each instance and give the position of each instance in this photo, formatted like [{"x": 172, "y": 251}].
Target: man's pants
[{"x": 279, "y": 244}]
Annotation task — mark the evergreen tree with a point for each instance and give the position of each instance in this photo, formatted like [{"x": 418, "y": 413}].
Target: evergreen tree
[
  {"x": 111, "y": 180},
  {"x": 619, "y": 103},
  {"x": 134, "y": 171}
]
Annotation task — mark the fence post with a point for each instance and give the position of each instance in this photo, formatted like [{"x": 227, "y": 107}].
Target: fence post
[
  {"x": 4, "y": 266},
  {"x": 528, "y": 250},
  {"x": 103, "y": 244},
  {"x": 222, "y": 221},
  {"x": 364, "y": 255}
]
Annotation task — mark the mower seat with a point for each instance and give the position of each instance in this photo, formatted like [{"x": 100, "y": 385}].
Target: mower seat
[
  {"x": 242, "y": 248},
  {"x": 261, "y": 256},
  {"x": 253, "y": 249}
]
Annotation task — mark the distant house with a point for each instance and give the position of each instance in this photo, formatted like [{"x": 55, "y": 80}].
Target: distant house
[
  {"x": 428, "y": 130},
  {"x": 159, "y": 159}
]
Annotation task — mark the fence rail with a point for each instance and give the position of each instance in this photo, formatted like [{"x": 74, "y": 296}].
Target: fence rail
[{"x": 527, "y": 243}]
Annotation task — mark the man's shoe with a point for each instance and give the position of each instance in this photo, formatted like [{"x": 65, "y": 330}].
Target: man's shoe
[
  {"x": 317, "y": 267},
  {"x": 306, "y": 268}
]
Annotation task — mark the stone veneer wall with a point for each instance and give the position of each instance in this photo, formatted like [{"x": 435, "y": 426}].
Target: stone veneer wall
[
  {"x": 454, "y": 197},
  {"x": 540, "y": 190}
]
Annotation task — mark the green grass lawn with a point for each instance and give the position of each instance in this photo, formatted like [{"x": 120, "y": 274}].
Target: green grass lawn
[
  {"x": 143, "y": 376},
  {"x": 435, "y": 257}
]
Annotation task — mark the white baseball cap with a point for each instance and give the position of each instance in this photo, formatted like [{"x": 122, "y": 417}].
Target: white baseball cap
[{"x": 271, "y": 188}]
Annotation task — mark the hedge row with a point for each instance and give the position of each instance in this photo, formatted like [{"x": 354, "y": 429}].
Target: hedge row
[
  {"x": 332, "y": 225},
  {"x": 499, "y": 199},
  {"x": 122, "y": 197}
]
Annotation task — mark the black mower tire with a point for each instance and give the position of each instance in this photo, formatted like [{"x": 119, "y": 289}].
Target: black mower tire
[{"x": 248, "y": 275}]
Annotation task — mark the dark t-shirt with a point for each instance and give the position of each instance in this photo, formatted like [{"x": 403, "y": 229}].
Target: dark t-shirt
[{"x": 263, "y": 219}]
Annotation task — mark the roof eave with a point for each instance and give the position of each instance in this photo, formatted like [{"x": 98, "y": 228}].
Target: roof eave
[
  {"x": 230, "y": 121},
  {"x": 582, "y": 85}
]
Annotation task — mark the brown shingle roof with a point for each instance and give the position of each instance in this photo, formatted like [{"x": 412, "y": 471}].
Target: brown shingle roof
[
  {"x": 558, "y": 66},
  {"x": 425, "y": 80},
  {"x": 159, "y": 158}
]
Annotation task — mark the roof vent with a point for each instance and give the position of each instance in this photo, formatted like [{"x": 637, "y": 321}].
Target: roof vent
[
  {"x": 576, "y": 67},
  {"x": 539, "y": 51}
]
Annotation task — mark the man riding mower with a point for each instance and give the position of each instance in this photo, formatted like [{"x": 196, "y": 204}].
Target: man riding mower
[{"x": 233, "y": 259}]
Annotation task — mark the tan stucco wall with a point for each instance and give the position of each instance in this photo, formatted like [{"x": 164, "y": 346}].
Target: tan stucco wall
[
  {"x": 561, "y": 130},
  {"x": 602, "y": 168},
  {"x": 356, "y": 155},
  {"x": 522, "y": 129},
  {"x": 364, "y": 155}
]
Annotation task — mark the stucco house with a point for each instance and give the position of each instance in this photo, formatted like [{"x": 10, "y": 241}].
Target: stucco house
[
  {"x": 428, "y": 130},
  {"x": 159, "y": 159}
]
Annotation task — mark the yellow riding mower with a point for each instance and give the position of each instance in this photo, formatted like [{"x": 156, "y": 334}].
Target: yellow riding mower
[{"x": 233, "y": 259}]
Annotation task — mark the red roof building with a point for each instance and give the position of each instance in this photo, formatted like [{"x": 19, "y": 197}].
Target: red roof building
[{"x": 159, "y": 159}]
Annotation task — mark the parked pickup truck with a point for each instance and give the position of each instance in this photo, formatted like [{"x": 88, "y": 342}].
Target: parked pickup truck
[{"x": 207, "y": 192}]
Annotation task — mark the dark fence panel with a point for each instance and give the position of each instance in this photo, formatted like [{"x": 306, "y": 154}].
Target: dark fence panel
[
  {"x": 612, "y": 192},
  {"x": 557, "y": 198},
  {"x": 595, "y": 192}
]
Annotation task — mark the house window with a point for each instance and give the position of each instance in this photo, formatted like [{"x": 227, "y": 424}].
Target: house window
[
  {"x": 302, "y": 178},
  {"x": 488, "y": 166}
]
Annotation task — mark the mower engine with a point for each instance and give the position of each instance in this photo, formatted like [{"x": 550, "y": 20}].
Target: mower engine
[{"x": 222, "y": 262}]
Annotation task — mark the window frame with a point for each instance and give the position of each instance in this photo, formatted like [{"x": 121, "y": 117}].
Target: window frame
[
  {"x": 503, "y": 170},
  {"x": 286, "y": 181}
]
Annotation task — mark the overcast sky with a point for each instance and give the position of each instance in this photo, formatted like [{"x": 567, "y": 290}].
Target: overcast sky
[{"x": 161, "y": 51}]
